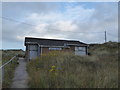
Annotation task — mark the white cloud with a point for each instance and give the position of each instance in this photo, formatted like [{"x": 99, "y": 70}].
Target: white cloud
[
  {"x": 79, "y": 12},
  {"x": 40, "y": 27},
  {"x": 59, "y": 21},
  {"x": 20, "y": 38},
  {"x": 66, "y": 24}
]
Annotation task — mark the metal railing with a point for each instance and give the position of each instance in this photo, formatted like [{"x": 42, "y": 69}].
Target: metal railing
[
  {"x": 2, "y": 67},
  {"x": 7, "y": 62}
]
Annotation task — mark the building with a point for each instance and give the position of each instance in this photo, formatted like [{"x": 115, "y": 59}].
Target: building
[{"x": 38, "y": 46}]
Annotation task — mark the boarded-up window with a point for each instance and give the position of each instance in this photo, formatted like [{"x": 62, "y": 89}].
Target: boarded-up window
[
  {"x": 33, "y": 51},
  {"x": 80, "y": 50},
  {"x": 55, "y": 48},
  {"x": 33, "y": 47}
]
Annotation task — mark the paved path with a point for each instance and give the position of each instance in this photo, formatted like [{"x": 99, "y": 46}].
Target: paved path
[{"x": 20, "y": 79}]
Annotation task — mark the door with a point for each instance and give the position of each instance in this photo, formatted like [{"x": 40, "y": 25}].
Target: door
[
  {"x": 33, "y": 53},
  {"x": 80, "y": 51}
]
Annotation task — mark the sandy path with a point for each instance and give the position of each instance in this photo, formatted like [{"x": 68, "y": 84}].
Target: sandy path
[{"x": 20, "y": 79}]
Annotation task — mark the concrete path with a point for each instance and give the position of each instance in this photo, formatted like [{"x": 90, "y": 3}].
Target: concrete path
[{"x": 20, "y": 79}]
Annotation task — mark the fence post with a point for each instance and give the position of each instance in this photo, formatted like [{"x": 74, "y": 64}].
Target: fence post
[{"x": 3, "y": 73}]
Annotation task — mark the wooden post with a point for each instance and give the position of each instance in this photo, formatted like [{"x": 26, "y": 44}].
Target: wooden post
[{"x": 105, "y": 37}]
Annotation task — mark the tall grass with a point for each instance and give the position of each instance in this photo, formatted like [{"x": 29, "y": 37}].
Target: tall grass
[
  {"x": 9, "y": 73},
  {"x": 8, "y": 70},
  {"x": 8, "y": 54},
  {"x": 65, "y": 70}
]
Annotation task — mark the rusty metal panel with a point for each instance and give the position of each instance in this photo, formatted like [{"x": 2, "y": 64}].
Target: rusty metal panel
[{"x": 80, "y": 51}]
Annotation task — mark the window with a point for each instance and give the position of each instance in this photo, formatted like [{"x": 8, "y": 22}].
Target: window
[
  {"x": 55, "y": 48},
  {"x": 79, "y": 48}
]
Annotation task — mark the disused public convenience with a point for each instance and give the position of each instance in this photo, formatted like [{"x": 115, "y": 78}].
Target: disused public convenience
[{"x": 38, "y": 46}]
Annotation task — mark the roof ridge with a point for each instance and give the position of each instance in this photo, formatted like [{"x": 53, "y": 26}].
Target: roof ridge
[
  {"x": 46, "y": 41},
  {"x": 50, "y": 39}
]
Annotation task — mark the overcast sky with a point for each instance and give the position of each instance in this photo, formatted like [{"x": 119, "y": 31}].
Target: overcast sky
[{"x": 85, "y": 22}]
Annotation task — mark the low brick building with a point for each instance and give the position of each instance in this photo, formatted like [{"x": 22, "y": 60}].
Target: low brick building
[{"x": 38, "y": 46}]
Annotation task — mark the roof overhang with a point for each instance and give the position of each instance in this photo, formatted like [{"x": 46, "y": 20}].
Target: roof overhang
[
  {"x": 65, "y": 45},
  {"x": 76, "y": 45},
  {"x": 30, "y": 43}
]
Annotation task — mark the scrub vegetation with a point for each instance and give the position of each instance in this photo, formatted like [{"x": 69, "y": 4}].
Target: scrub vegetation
[
  {"x": 8, "y": 70},
  {"x": 65, "y": 70}
]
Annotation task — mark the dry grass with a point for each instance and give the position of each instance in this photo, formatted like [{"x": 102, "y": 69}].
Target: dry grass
[
  {"x": 9, "y": 68},
  {"x": 100, "y": 70}
]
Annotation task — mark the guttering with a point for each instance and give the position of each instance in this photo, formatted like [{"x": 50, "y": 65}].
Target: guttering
[
  {"x": 31, "y": 43},
  {"x": 51, "y": 46},
  {"x": 41, "y": 49},
  {"x": 76, "y": 44}
]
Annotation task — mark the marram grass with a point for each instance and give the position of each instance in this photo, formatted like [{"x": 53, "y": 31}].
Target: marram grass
[
  {"x": 9, "y": 68},
  {"x": 65, "y": 70}
]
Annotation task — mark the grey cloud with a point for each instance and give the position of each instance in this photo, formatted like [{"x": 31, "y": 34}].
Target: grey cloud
[
  {"x": 98, "y": 22},
  {"x": 104, "y": 18},
  {"x": 22, "y": 9},
  {"x": 10, "y": 30}
]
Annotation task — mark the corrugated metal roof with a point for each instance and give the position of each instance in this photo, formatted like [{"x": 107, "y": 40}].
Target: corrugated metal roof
[{"x": 51, "y": 42}]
